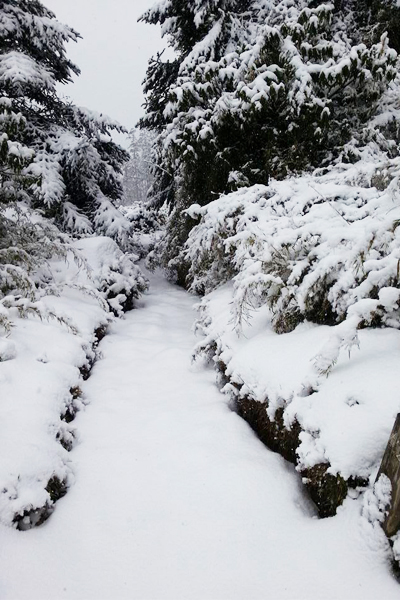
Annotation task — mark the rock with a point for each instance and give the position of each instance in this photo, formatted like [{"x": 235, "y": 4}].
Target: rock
[
  {"x": 327, "y": 491},
  {"x": 390, "y": 466}
]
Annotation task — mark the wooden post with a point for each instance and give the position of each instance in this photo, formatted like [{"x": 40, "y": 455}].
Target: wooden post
[{"x": 390, "y": 466}]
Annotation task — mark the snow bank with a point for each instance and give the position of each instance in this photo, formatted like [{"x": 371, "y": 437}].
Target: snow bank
[
  {"x": 48, "y": 347},
  {"x": 301, "y": 313},
  {"x": 346, "y": 418}
]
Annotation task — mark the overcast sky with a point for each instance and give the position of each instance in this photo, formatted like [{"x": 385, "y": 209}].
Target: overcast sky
[{"x": 112, "y": 55}]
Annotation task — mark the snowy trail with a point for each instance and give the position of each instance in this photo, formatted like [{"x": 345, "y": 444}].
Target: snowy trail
[{"x": 175, "y": 498}]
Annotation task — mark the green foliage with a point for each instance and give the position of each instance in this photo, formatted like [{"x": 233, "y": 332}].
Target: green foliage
[
  {"x": 260, "y": 91},
  {"x": 372, "y": 18}
]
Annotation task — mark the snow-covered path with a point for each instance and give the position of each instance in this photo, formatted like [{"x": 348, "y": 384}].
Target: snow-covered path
[{"x": 176, "y": 498}]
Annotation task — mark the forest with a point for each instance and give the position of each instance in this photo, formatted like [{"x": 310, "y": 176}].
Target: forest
[{"x": 262, "y": 186}]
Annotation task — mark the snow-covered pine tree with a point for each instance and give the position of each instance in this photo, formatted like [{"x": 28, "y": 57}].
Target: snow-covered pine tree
[
  {"x": 138, "y": 176},
  {"x": 371, "y": 19},
  {"x": 263, "y": 89},
  {"x": 62, "y": 157},
  {"x": 160, "y": 76},
  {"x": 197, "y": 30}
]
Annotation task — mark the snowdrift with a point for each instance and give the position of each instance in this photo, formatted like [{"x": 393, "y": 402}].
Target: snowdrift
[{"x": 48, "y": 347}]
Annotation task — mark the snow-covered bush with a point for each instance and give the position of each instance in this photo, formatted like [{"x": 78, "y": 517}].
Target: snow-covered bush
[
  {"x": 311, "y": 248},
  {"x": 50, "y": 325},
  {"x": 262, "y": 90},
  {"x": 109, "y": 270},
  {"x": 30, "y": 247},
  {"x": 146, "y": 226},
  {"x": 43, "y": 361},
  {"x": 27, "y": 244},
  {"x": 144, "y": 219}
]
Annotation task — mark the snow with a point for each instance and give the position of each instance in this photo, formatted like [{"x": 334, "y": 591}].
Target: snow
[
  {"x": 273, "y": 258},
  {"x": 46, "y": 342},
  {"x": 174, "y": 497},
  {"x": 347, "y": 417},
  {"x": 20, "y": 69},
  {"x": 377, "y": 500},
  {"x": 35, "y": 392}
]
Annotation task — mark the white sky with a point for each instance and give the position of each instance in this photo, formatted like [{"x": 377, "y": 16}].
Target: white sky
[{"x": 112, "y": 55}]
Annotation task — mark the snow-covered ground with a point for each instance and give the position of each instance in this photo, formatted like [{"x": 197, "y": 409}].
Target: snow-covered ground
[{"x": 175, "y": 497}]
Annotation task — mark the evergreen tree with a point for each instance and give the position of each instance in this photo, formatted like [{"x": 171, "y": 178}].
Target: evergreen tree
[
  {"x": 53, "y": 154},
  {"x": 370, "y": 19},
  {"x": 198, "y": 31},
  {"x": 263, "y": 89},
  {"x": 138, "y": 176},
  {"x": 201, "y": 27}
]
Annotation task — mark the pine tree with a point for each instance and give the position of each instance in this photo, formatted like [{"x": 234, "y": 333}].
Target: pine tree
[
  {"x": 53, "y": 154},
  {"x": 208, "y": 22},
  {"x": 198, "y": 31},
  {"x": 370, "y": 19},
  {"x": 263, "y": 89},
  {"x": 138, "y": 177}
]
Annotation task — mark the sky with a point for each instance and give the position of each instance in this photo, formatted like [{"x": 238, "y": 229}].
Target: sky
[{"x": 112, "y": 55}]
